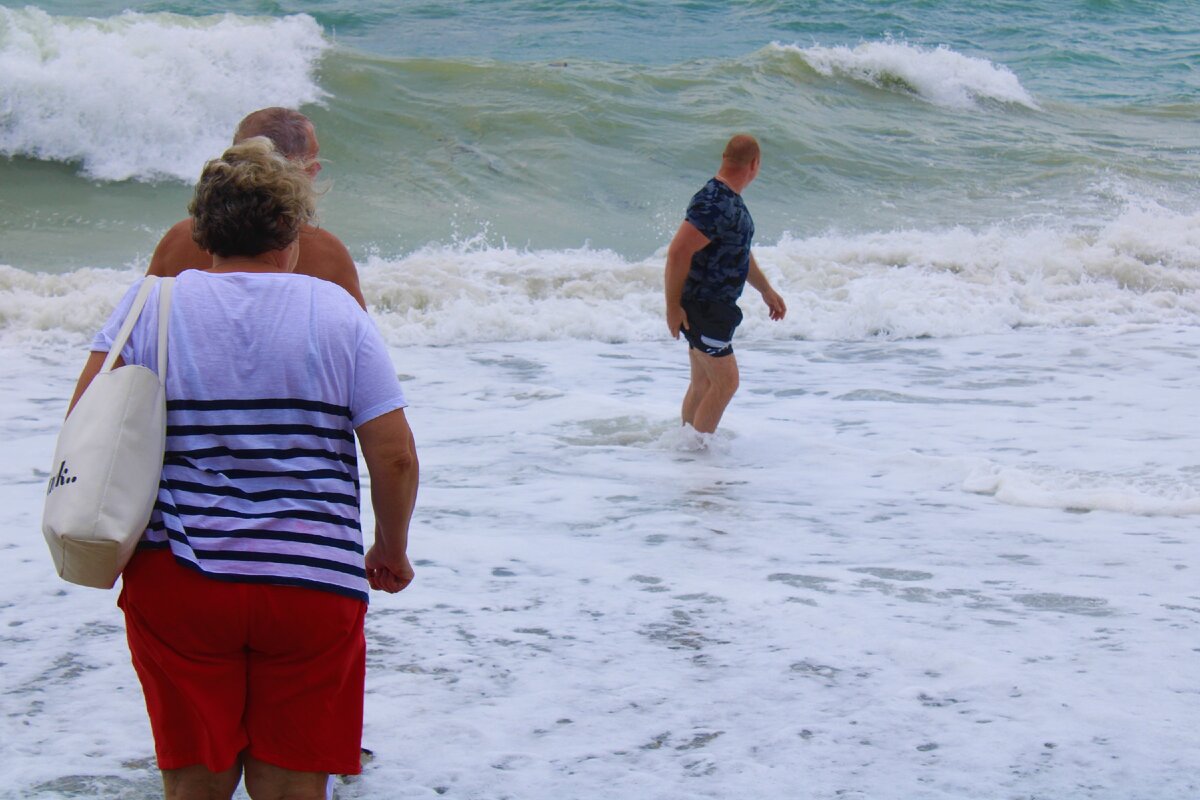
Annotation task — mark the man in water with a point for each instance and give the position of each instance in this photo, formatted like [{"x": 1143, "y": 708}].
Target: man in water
[
  {"x": 322, "y": 255},
  {"x": 708, "y": 264}
]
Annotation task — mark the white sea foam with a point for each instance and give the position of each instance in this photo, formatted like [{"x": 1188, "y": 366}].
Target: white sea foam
[
  {"x": 598, "y": 607},
  {"x": 939, "y": 75},
  {"x": 1138, "y": 268},
  {"x": 1086, "y": 490},
  {"x": 145, "y": 96}
]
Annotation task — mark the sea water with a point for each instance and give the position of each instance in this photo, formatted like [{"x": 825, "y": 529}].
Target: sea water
[{"x": 943, "y": 544}]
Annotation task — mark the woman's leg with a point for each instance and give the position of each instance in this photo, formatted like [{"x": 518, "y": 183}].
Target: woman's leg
[
  {"x": 199, "y": 783},
  {"x": 304, "y": 705},
  {"x": 187, "y": 643},
  {"x": 268, "y": 782}
]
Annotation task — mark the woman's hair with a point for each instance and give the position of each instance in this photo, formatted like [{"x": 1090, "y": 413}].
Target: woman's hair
[{"x": 251, "y": 200}]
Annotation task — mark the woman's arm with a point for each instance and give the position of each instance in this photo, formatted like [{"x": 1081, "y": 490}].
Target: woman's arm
[
  {"x": 90, "y": 370},
  {"x": 391, "y": 456}
]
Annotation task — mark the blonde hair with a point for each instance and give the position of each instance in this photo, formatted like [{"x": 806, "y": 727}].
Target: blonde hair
[
  {"x": 251, "y": 200},
  {"x": 741, "y": 150}
]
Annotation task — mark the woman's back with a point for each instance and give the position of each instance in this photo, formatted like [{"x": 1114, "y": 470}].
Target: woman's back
[{"x": 267, "y": 377}]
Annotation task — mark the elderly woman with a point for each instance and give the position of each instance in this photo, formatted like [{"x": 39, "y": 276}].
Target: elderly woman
[{"x": 244, "y": 603}]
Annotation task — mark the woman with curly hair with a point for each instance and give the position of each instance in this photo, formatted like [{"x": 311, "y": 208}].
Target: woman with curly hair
[{"x": 244, "y": 603}]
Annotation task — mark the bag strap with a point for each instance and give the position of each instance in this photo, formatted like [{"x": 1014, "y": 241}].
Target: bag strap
[
  {"x": 166, "y": 286},
  {"x": 135, "y": 311}
]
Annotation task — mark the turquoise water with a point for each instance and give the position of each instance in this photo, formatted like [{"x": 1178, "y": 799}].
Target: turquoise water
[{"x": 553, "y": 125}]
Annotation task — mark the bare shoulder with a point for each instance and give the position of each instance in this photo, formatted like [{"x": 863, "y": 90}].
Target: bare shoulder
[
  {"x": 322, "y": 255},
  {"x": 176, "y": 252},
  {"x": 320, "y": 242}
]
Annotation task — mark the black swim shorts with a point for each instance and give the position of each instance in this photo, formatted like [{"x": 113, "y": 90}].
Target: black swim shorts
[{"x": 711, "y": 326}]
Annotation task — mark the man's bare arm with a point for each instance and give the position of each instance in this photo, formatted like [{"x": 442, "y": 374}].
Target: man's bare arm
[
  {"x": 775, "y": 305},
  {"x": 688, "y": 241}
]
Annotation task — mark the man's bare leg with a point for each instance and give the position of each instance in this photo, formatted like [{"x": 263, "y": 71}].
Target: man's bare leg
[
  {"x": 199, "y": 783},
  {"x": 268, "y": 782},
  {"x": 697, "y": 388},
  {"x": 721, "y": 372}
]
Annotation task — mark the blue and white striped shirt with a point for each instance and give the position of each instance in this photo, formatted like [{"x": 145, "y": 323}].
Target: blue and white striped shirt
[{"x": 268, "y": 375}]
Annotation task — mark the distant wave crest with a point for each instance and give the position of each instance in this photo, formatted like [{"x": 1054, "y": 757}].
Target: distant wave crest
[
  {"x": 145, "y": 96},
  {"x": 937, "y": 75}
]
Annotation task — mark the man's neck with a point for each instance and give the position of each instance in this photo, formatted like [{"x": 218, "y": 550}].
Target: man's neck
[{"x": 737, "y": 181}]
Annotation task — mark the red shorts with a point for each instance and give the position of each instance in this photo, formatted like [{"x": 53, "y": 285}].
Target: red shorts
[{"x": 273, "y": 671}]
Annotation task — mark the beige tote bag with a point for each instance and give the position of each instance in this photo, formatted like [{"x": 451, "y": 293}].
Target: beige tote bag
[{"x": 108, "y": 460}]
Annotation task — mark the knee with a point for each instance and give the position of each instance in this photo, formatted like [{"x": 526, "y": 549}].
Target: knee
[
  {"x": 199, "y": 783},
  {"x": 726, "y": 384},
  {"x": 268, "y": 782}
]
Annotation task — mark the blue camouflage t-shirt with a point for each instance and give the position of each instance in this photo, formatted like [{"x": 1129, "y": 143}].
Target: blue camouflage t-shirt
[{"x": 719, "y": 269}]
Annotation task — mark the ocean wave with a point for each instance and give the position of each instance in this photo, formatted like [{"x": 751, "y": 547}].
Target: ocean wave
[
  {"x": 1152, "y": 489},
  {"x": 145, "y": 96},
  {"x": 937, "y": 75},
  {"x": 1138, "y": 268},
  {"x": 1146, "y": 494}
]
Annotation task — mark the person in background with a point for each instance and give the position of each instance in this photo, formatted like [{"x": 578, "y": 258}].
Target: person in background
[
  {"x": 708, "y": 264},
  {"x": 245, "y": 600},
  {"x": 322, "y": 255}
]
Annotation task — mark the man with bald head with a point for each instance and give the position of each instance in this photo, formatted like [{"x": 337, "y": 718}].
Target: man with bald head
[
  {"x": 708, "y": 264},
  {"x": 322, "y": 255}
]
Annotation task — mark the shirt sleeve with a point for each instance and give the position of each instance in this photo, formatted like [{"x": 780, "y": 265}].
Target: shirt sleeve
[
  {"x": 102, "y": 342},
  {"x": 376, "y": 388},
  {"x": 702, "y": 213}
]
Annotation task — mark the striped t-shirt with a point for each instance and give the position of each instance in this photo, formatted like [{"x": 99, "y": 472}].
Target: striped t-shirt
[{"x": 268, "y": 375}]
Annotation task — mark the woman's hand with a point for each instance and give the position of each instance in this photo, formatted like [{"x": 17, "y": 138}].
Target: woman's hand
[{"x": 387, "y": 573}]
